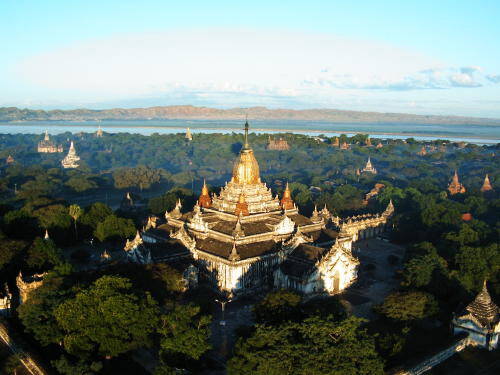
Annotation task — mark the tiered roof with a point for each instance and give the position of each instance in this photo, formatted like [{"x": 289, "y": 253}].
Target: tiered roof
[{"x": 484, "y": 309}]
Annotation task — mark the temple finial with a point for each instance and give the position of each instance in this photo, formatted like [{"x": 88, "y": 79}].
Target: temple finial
[{"x": 246, "y": 132}]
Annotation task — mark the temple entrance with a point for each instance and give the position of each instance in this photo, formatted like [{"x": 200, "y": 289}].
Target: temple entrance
[{"x": 336, "y": 282}]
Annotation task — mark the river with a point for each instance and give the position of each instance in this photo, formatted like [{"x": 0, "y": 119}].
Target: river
[{"x": 481, "y": 134}]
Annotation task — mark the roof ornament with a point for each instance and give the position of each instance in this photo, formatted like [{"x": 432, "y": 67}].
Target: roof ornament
[{"x": 234, "y": 256}]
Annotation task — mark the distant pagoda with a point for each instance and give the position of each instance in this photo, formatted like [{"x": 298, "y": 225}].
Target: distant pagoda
[
  {"x": 368, "y": 142},
  {"x": 278, "y": 144},
  {"x": 189, "y": 136},
  {"x": 369, "y": 167},
  {"x": 99, "y": 133},
  {"x": 71, "y": 159},
  {"x": 422, "y": 151},
  {"x": 336, "y": 142},
  {"x": 344, "y": 146},
  {"x": 486, "y": 185},
  {"x": 455, "y": 187},
  {"x": 9, "y": 160},
  {"x": 47, "y": 146}
]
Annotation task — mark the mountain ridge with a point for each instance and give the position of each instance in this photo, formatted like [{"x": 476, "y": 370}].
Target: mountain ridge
[{"x": 13, "y": 114}]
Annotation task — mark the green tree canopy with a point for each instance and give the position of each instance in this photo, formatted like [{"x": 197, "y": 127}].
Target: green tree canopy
[
  {"x": 184, "y": 331},
  {"x": 315, "y": 346},
  {"x": 407, "y": 306},
  {"x": 107, "y": 318},
  {"x": 114, "y": 228},
  {"x": 278, "y": 307}
]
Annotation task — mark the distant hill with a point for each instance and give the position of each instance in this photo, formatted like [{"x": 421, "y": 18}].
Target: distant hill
[{"x": 254, "y": 113}]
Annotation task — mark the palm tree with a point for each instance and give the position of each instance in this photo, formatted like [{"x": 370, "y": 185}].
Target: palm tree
[{"x": 75, "y": 212}]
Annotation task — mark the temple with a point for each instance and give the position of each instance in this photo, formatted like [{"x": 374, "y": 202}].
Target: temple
[
  {"x": 99, "y": 133},
  {"x": 47, "y": 146},
  {"x": 480, "y": 320},
  {"x": 422, "y": 151},
  {"x": 189, "y": 136},
  {"x": 246, "y": 239},
  {"x": 369, "y": 167},
  {"x": 455, "y": 187},
  {"x": 71, "y": 159},
  {"x": 486, "y": 185},
  {"x": 279, "y": 144}
]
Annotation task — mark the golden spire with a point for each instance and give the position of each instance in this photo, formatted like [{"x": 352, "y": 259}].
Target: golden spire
[
  {"x": 205, "y": 200},
  {"x": 486, "y": 185},
  {"x": 204, "y": 189},
  {"x": 246, "y": 133},
  {"x": 246, "y": 169},
  {"x": 286, "y": 201}
]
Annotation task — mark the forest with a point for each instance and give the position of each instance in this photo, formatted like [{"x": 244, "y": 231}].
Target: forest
[{"x": 100, "y": 320}]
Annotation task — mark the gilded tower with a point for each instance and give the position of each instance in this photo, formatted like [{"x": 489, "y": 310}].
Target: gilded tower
[
  {"x": 455, "y": 187},
  {"x": 486, "y": 185}
]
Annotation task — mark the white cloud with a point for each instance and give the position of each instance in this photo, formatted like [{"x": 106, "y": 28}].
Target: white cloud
[{"x": 244, "y": 67}]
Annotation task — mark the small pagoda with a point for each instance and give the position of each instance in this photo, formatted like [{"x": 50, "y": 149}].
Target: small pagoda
[
  {"x": 71, "y": 160},
  {"x": 455, "y": 187},
  {"x": 279, "y": 144},
  {"x": 189, "y": 136},
  {"x": 205, "y": 200},
  {"x": 480, "y": 320},
  {"x": 422, "y": 151},
  {"x": 47, "y": 146},
  {"x": 486, "y": 185},
  {"x": 369, "y": 168},
  {"x": 99, "y": 133}
]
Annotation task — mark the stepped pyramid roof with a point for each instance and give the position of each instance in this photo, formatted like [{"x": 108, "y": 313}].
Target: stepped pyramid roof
[{"x": 483, "y": 308}]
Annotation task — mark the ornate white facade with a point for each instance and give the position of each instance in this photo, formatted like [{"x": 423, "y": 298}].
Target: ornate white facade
[{"x": 71, "y": 159}]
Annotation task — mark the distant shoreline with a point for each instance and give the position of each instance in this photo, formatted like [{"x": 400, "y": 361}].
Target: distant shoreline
[{"x": 87, "y": 126}]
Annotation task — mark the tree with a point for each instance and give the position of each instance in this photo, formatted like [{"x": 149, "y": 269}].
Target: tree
[
  {"x": 12, "y": 365},
  {"x": 95, "y": 214},
  {"x": 141, "y": 176},
  {"x": 418, "y": 271},
  {"x": 407, "y": 306},
  {"x": 107, "y": 318},
  {"x": 66, "y": 366},
  {"x": 114, "y": 228},
  {"x": 184, "y": 331},
  {"x": 315, "y": 346},
  {"x": 75, "y": 212},
  {"x": 278, "y": 307},
  {"x": 37, "y": 313},
  {"x": 81, "y": 183},
  {"x": 44, "y": 254},
  {"x": 9, "y": 251}
]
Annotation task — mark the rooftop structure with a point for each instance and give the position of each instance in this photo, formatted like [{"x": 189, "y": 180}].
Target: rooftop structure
[
  {"x": 369, "y": 167},
  {"x": 481, "y": 320},
  {"x": 189, "y": 136},
  {"x": 277, "y": 144},
  {"x": 47, "y": 146},
  {"x": 455, "y": 187},
  {"x": 99, "y": 133},
  {"x": 486, "y": 185},
  {"x": 243, "y": 238},
  {"x": 71, "y": 159}
]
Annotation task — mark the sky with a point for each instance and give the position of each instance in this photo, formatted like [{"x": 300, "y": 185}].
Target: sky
[{"x": 425, "y": 57}]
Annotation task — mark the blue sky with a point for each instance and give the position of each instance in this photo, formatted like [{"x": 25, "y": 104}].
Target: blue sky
[{"x": 426, "y": 57}]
